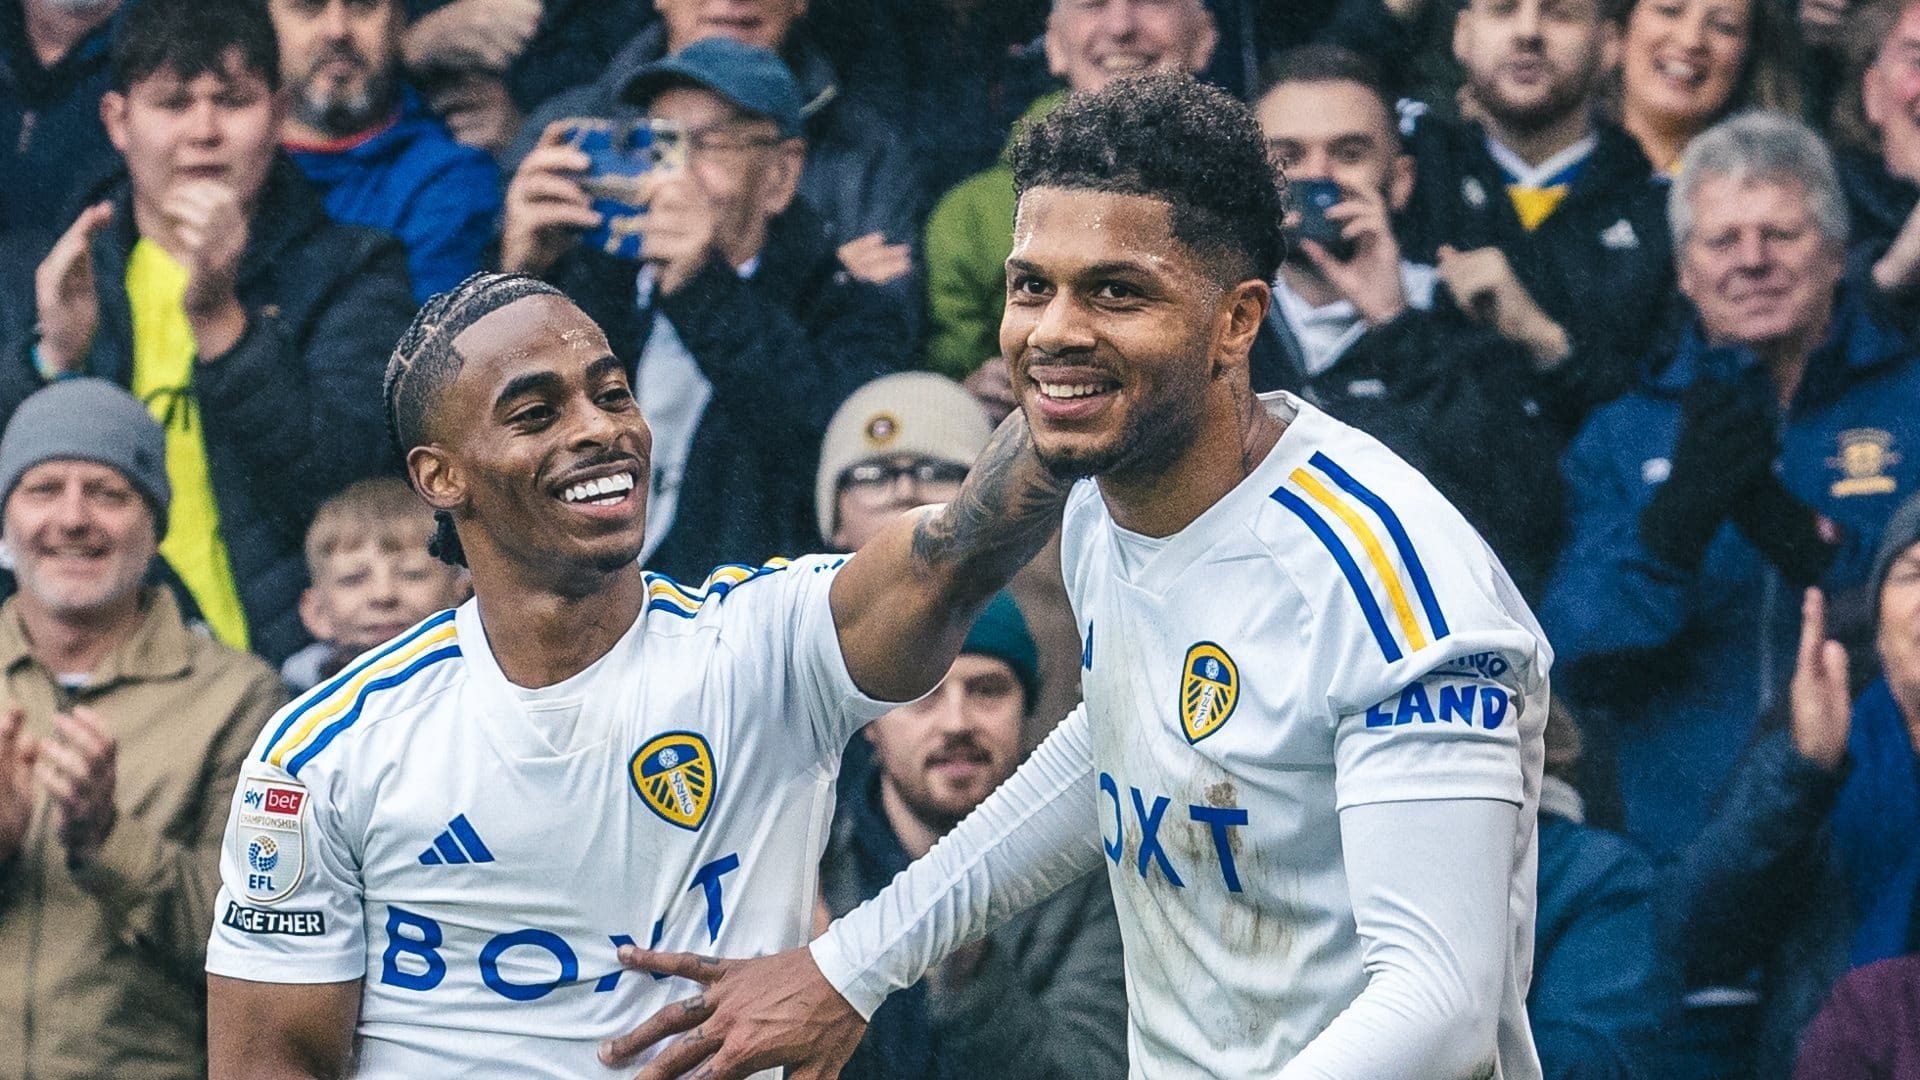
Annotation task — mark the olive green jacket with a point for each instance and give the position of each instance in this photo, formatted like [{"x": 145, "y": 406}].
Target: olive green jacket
[{"x": 100, "y": 968}]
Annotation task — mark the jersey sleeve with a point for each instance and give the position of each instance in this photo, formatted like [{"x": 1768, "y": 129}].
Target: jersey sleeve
[
  {"x": 1434, "y": 671},
  {"x": 1035, "y": 834},
  {"x": 779, "y": 621},
  {"x": 290, "y": 905}
]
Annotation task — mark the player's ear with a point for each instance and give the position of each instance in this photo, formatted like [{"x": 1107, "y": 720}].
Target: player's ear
[
  {"x": 1241, "y": 317},
  {"x": 436, "y": 477}
]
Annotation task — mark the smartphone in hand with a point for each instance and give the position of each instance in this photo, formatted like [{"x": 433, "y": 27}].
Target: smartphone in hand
[
  {"x": 1315, "y": 198},
  {"x": 621, "y": 152}
]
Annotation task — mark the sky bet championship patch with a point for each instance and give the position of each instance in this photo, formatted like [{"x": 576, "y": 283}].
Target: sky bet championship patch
[{"x": 270, "y": 843}]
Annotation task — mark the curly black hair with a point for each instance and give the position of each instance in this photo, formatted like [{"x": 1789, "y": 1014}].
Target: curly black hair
[
  {"x": 425, "y": 361},
  {"x": 1171, "y": 138}
]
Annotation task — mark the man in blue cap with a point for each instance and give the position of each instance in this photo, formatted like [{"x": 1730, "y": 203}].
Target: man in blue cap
[{"x": 742, "y": 331}]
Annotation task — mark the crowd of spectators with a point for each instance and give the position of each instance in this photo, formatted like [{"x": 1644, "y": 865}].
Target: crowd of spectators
[{"x": 1636, "y": 283}]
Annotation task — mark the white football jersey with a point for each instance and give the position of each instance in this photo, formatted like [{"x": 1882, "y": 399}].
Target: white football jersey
[
  {"x": 477, "y": 852},
  {"x": 1331, "y": 633}
]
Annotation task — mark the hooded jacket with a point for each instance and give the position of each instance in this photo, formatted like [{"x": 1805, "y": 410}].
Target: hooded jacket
[
  {"x": 1673, "y": 667},
  {"x": 408, "y": 177},
  {"x": 293, "y": 412}
]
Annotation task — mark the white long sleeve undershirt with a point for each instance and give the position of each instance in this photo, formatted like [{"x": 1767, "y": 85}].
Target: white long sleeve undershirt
[{"x": 1429, "y": 883}]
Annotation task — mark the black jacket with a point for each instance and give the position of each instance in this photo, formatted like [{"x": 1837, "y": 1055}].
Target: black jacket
[
  {"x": 293, "y": 412},
  {"x": 1878, "y": 205},
  {"x": 53, "y": 146},
  {"x": 1601, "y": 265},
  {"x": 858, "y": 176},
  {"x": 1450, "y": 398},
  {"x": 782, "y": 349}
]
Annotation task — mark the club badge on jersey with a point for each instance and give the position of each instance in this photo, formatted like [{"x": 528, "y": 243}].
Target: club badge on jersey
[
  {"x": 674, "y": 775},
  {"x": 1209, "y": 690},
  {"x": 271, "y": 840}
]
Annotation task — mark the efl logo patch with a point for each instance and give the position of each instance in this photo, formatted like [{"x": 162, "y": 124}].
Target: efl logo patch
[
  {"x": 674, "y": 775},
  {"x": 1209, "y": 689},
  {"x": 270, "y": 840}
]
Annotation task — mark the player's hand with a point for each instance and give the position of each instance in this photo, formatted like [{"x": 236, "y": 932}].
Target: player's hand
[
  {"x": 871, "y": 259},
  {"x": 679, "y": 233},
  {"x": 210, "y": 232},
  {"x": 76, "y": 768},
  {"x": 17, "y": 750},
  {"x": 484, "y": 34},
  {"x": 63, "y": 292},
  {"x": 477, "y": 108},
  {"x": 1897, "y": 273},
  {"x": 1370, "y": 278},
  {"x": 546, "y": 208},
  {"x": 752, "y": 1015},
  {"x": 991, "y": 384},
  {"x": 1822, "y": 711}
]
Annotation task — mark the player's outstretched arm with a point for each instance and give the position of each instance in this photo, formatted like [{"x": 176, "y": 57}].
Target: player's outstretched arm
[
  {"x": 904, "y": 603},
  {"x": 280, "y": 1031}
]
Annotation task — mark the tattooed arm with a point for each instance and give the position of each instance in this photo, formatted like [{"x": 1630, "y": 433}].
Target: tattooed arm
[{"x": 903, "y": 603}]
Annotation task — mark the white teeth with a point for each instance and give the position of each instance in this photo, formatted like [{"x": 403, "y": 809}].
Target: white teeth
[
  {"x": 599, "y": 489},
  {"x": 1676, "y": 70},
  {"x": 1068, "y": 391}
]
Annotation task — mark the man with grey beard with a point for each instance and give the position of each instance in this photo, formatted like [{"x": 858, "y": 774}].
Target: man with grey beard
[
  {"x": 368, "y": 142},
  {"x": 121, "y": 735},
  {"x": 53, "y": 69}
]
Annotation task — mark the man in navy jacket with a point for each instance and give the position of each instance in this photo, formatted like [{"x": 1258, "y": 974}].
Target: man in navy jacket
[{"x": 1764, "y": 455}]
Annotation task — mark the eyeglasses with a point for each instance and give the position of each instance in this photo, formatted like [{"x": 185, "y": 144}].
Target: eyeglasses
[
  {"x": 875, "y": 476},
  {"x": 722, "y": 140}
]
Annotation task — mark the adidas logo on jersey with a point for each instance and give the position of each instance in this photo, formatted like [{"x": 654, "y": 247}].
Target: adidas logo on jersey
[{"x": 456, "y": 844}]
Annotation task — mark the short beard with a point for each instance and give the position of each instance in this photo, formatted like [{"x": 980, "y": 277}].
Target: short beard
[
  {"x": 1152, "y": 440},
  {"x": 1572, "y": 95},
  {"x": 73, "y": 604},
  {"x": 344, "y": 113}
]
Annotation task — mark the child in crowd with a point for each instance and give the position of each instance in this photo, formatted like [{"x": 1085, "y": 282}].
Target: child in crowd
[{"x": 372, "y": 577}]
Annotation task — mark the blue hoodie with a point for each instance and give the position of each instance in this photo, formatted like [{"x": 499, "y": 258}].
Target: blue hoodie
[
  {"x": 411, "y": 179},
  {"x": 1680, "y": 663}
]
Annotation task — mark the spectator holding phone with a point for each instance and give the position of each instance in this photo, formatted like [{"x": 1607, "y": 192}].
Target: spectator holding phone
[
  {"x": 1366, "y": 334},
  {"x": 742, "y": 330},
  {"x": 857, "y": 176}
]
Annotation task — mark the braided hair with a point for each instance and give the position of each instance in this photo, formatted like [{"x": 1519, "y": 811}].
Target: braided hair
[{"x": 425, "y": 361}]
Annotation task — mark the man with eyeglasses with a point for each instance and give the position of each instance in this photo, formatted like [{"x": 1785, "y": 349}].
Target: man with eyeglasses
[{"x": 741, "y": 328}]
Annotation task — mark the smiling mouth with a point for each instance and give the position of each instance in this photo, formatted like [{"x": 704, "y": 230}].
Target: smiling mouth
[
  {"x": 1061, "y": 391},
  {"x": 600, "y": 491}
]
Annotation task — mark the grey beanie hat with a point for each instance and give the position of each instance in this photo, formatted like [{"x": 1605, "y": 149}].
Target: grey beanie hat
[
  {"x": 1901, "y": 532},
  {"x": 88, "y": 420}
]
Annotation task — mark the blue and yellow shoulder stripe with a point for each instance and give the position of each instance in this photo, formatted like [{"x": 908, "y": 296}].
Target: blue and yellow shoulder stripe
[
  {"x": 1322, "y": 489},
  {"x": 668, "y": 595},
  {"x": 325, "y": 712}
]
